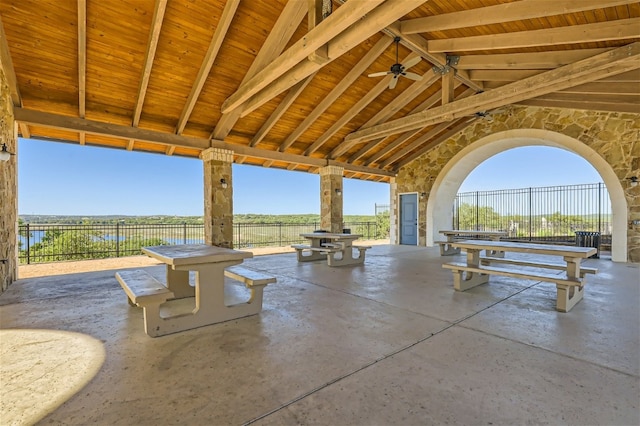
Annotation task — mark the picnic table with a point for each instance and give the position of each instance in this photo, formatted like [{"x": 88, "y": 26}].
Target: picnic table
[
  {"x": 446, "y": 249},
  {"x": 336, "y": 248},
  {"x": 569, "y": 285},
  {"x": 211, "y": 265}
]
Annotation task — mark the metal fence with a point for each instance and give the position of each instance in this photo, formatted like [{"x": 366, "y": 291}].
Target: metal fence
[
  {"x": 53, "y": 243},
  {"x": 552, "y": 214}
]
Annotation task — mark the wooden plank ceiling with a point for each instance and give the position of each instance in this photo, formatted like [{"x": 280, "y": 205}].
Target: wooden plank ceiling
[{"x": 285, "y": 83}]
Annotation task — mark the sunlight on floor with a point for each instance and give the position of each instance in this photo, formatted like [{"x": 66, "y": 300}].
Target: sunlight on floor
[{"x": 41, "y": 369}]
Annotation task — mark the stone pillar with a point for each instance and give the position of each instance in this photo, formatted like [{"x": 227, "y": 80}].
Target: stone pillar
[
  {"x": 218, "y": 197},
  {"x": 8, "y": 189},
  {"x": 331, "y": 198}
]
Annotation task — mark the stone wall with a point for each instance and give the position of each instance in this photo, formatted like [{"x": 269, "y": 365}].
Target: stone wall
[
  {"x": 218, "y": 197},
  {"x": 8, "y": 190},
  {"x": 331, "y": 198},
  {"x": 614, "y": 136}
]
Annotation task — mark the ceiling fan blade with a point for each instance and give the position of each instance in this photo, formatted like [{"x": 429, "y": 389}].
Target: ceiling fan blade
[
  {"x": 412, "y": 76},
  {"x": 379, "y": 74},
  {"x": 412, "y": 62},
  {"x": 393, "y": 82}
]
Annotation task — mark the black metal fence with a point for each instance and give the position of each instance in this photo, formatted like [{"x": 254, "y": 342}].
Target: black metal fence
[
  {"x": 53, "y": 243},
  {"x": 552, "y": 214}
]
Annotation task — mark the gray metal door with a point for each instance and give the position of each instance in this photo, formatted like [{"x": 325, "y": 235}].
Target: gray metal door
[{"x": 409, "y": 219}]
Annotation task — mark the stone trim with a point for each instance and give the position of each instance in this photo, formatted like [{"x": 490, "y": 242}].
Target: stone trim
[
  {"x": 331, "y": 170},
  {"x": 217, "y": 154}
]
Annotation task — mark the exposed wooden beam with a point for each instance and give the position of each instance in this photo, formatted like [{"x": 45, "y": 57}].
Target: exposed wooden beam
[
  {"x": 240, "y": 159},
  {"x": 602, "y": 65},
  {"x": 170, "y": 150},
  {"x": 353, "y": 111},
  {"x": 632, "y": 98},
  {"x": 615, "y": 88},
  {"x": 7, "y": 65},
  {"x": 515, "y": 75},
  {"x": 526, "y": 61},
  {"x": 342, "y": 43},
  {"x": 75, "y": 124},
  {"x": 394, "y": 106},
  {"x": 212, "y": 52},
  {"x": 130, "y": 144},
  {"x": 447, "y": 87},
  {"x": 314, "y": 17},
  {"x": 292, "y": 166},
  {"x": 602, "y": 31},
  {"x": 82, "y": 58},
  {"x": 82, "y": 138},
  {"x": 338, "y": 90},
  {"x": 435, "y": 142},
  {"x": 411, "y": 133},
  {"x": 152, "y": 45},
  {"x": 293, "y": 94},
  {"x": 584, "y": 104},
  {"x": 525, "y": 9},
  {"x": 344, "y": 17},
  {"x": 267, "y": 163},
  {"x": 281, "y": 33}
]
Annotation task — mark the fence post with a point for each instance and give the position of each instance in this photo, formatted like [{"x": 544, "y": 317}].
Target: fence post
[
  {"x": 600, "y": 207},
  {"x": 117, "y": 239},
  {"x": 280, "y": 234},
  {"x": 184, "y": 232},
  {"x": 28, "y": 245}
]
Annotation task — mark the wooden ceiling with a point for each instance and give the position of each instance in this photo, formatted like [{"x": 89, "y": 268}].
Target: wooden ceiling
[{"x": 285, "y": 83}]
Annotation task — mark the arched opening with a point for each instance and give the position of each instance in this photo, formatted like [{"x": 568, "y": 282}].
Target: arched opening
[{"x": 439, "y": 214}]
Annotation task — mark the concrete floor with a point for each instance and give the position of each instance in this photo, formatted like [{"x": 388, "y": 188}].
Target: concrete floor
[{"x": 384, "y": 343}]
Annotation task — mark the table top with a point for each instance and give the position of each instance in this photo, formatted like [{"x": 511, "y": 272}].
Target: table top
[
  {"x": 191, "y": 254},
  {"x": 472, "y": 232},
  {"x": 549, "y": 249},
  {"x": 331, "y": 236}
]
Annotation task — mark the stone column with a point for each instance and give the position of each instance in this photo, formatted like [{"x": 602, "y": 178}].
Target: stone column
[
  {"x": 8, "y": 189},
  {"x": 218, "y": 197},
  {"x": 331, "y": 198}
]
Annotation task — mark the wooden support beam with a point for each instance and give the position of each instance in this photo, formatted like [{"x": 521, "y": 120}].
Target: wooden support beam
[
  {"x": 82, "y": 59},
  {"x": 526, "y": 61},
  {"x": 447, "y": 87},
  {"x": 602, "y": 31},
  {"x": 338, "y": 90},
  {"x": 276, "y": 41},
  {"x": 7, "y": 65},
  {"x": 75, "y": 124},
  {"x": 585, "y": 104},
  {"x": 130, "y": 144},
  {"x": 170, "y": 150},
  {"x": 82, "y": 138},
  {"x": 152, "y": 45},
  {"x": 509, "y": 12},
  {"x": 293, "y": 94},
  {"x": 613, "y": 62},
  {"x": 314, "y": 17},
  {"x": 462, "y": 124},
  {"x": 228, "y": 13},
  {"x": 344, "y": 17}
]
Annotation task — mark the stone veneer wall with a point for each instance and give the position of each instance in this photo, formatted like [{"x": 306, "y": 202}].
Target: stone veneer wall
[
  {"x": 330, "y": 201},
  {"x": 614, "y": 136},
  {"x": 8, "y": 190},
  {"x": 218, "y": 201}
]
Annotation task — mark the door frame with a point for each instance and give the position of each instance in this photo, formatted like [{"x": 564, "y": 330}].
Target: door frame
[{"x": 400, "y": 194}]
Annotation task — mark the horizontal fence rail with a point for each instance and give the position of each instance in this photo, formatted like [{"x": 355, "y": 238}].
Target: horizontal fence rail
[
  {"x": 544, "y": 214},
  {"x": 54, "y": 243}
]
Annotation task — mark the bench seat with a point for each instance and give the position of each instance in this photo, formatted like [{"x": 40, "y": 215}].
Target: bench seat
[
  {"x": 142, "y": 289},
  {"x": 446, "y": 249},
  {"x": 558, "y": 266},
  {"x": 249, "y": 277},
  {"x": 316, "y": 253},
  {"x": 569, "y": 292}
]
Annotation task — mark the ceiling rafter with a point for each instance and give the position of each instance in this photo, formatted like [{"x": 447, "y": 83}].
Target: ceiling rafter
[
  {"x": 293, "y": 94},
  {"x": 283, "y": 30},
  {"x": 462, "y": 124},
  {"x": 525, "y": 61},
  {"x": 229, "y": 11},
  {"x": 602, "y": 31},
  {"x": 586, "y": 103},
  {"x": 337, "y": 90},
  {"x": 616, "y": 61},
  {"x": 355, "y": 34},
  {"x": 345, "y": 16},
  {"x": 152, "y": 45},
  {"x": 128, "y": 133},
  {"x": 508, "y": 12},
  {"x": 82, "y": 58},
  {"x": 12, "y": 80},
  {"x": 353, "y": 111},
  {"x": 411, "y": 133}
]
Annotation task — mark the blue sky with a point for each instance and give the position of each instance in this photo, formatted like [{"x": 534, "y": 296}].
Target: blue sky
[{"x": 66, "y": 179}]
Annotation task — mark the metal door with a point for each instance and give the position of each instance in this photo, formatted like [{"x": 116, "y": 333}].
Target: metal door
[{"x": 409, "y": 219}]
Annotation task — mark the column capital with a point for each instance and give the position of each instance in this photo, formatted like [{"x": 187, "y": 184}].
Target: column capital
[
  {"x": 219, "y": 154},
  {"x": 331, "y": 170}
]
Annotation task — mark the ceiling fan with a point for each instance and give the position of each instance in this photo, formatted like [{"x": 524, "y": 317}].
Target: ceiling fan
[{"x": 399, "y": 69}]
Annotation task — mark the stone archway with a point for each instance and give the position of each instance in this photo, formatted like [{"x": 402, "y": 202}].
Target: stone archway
[{"x": 448, "y": 181}]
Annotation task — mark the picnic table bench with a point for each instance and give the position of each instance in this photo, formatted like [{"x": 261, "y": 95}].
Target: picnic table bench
[{"x": 569, "y": 285}]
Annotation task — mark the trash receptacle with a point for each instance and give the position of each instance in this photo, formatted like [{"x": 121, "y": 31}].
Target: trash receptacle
[
  {"x": 346, "y": 230},
  {"x": 322, "y": 241},
  {"x": 588, "y": 239}
]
